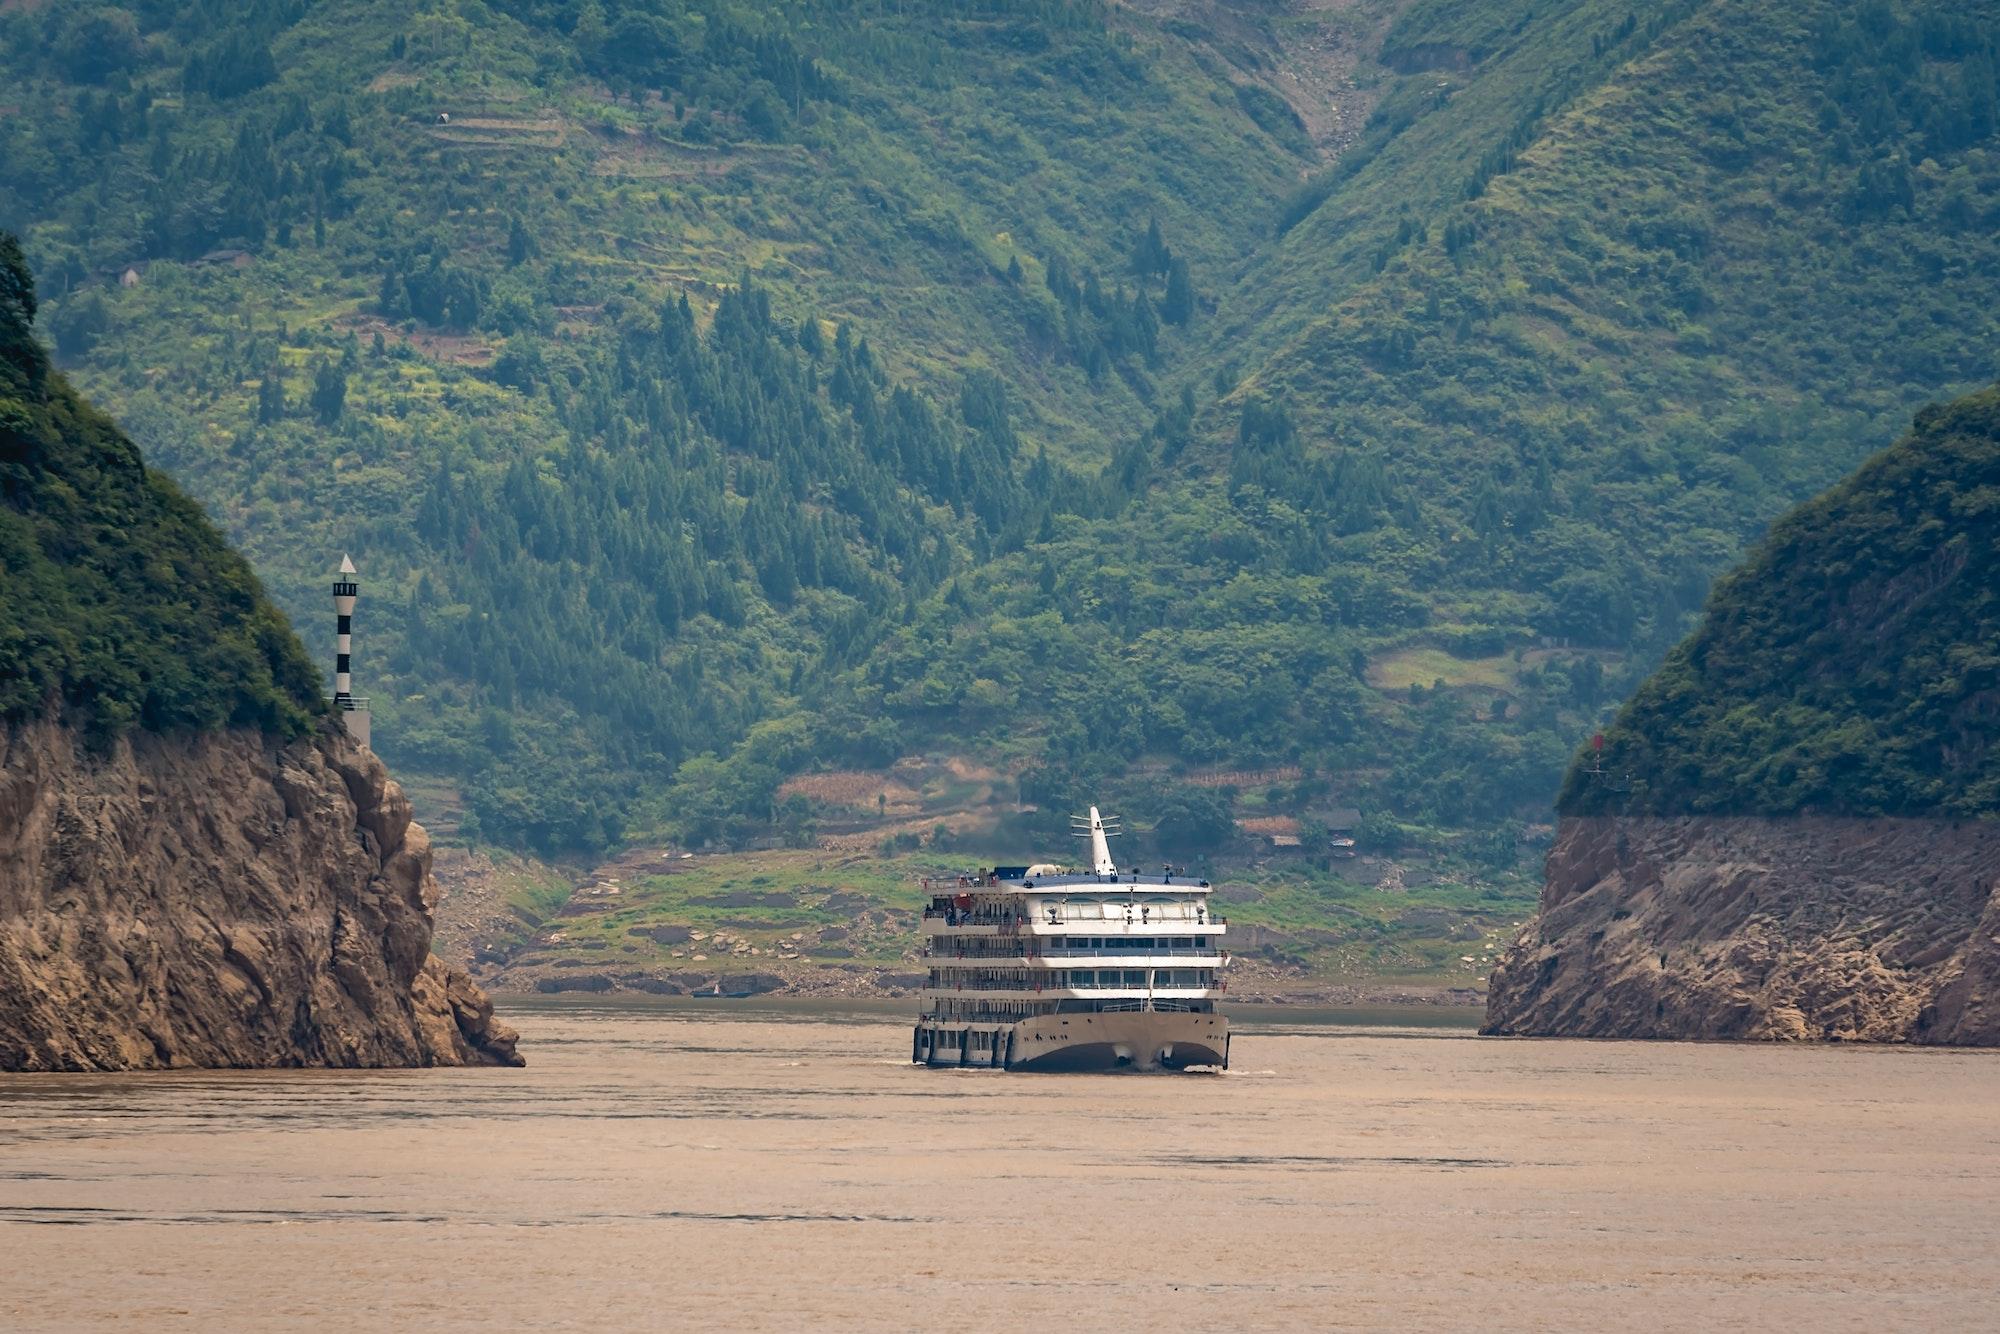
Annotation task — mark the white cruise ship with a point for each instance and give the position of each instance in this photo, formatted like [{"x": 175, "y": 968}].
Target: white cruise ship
[{"x": 1044, "y": 968}]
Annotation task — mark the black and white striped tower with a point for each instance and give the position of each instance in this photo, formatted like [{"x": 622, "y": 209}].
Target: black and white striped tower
[{"x": 353, "y": 711}]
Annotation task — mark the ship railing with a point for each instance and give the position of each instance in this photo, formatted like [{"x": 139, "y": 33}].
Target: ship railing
[
  {"x": 1126, "y": 882},
  {"x": 1158, "y": 920},
  {"x": 1141, "y": 953},
  {"x": 1032, "y": 985},
  {"x": 973, "y": 917},
  {"x": 978, "y": 957},
  {"x": 976, "y": 917}
]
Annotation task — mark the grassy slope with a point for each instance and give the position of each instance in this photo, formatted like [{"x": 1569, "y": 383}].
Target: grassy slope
[
  {"x": 953, "y": 149},
  {"x": 1665, "y": 300},
  {"x": 1301, "y": 924},
  {"x": 857, "y": 909},
  {"x": 1464, "y": 80}
]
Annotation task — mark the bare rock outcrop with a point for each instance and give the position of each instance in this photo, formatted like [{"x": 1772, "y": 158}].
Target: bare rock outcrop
[
  {"x": 220, "y": 900},
  {"x": 1873, "y": 930}
]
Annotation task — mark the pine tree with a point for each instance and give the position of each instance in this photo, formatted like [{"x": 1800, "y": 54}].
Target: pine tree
[
  {"x": 329, "y": 392},
  {"x": 1145, "y": 327},
  {"x": 1150, "y": 255},
  {"x": 271, "y": 397}
]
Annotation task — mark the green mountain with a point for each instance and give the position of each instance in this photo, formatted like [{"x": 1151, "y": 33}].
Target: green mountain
[
  {"x": 651, "y": 362},
  {"x": 122, "y": 605},
  {"x": 1580, "y": 312},
  {"x": 1850, "y": 665},
  {"x": 713, "y": 392}
]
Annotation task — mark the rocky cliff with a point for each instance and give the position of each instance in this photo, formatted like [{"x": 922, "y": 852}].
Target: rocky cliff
[
  {"x": 219, "y": 899},
  {"x": 1877, "y": 930},
  {"x": 1792, "y": 829}
]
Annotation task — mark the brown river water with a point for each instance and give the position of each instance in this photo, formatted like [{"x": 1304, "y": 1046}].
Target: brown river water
[{"x": 777, "y": 1166}]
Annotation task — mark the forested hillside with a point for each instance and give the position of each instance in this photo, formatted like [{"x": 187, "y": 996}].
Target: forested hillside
[
  {"x": 713, "y": 392},
  {"x": 1607, "y": 291},
  {"x": 1850, "y": 666},
  {"x": 122, "y": 606},
  {"x": 651, "y": 363}
]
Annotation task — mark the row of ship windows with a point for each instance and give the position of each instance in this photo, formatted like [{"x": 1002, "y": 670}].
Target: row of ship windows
[
  {"x": 1075, "y": 979},
  {"x": 1011, "y": 948},
  {"x": 1122, "y": 910}
]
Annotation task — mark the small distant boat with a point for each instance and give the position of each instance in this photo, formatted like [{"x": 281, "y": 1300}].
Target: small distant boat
[{"x": 1051, "y": 969}]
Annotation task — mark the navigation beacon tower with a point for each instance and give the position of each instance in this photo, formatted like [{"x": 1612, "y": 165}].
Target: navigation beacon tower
[{"x": 354, "y": 712}]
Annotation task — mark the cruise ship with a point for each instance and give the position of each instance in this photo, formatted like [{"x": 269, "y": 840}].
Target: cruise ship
[{"x": 1048, "y": 968}]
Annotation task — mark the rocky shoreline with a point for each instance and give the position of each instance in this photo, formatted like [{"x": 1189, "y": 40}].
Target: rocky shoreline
[{"x": 1751, "y": 928}]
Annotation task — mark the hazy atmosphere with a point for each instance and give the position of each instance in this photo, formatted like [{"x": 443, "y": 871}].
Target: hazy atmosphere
[{"x": 1266, "y": 538}]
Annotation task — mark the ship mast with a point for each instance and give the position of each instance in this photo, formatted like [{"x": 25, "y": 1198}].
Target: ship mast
[{"x": 1098, "y": 829}]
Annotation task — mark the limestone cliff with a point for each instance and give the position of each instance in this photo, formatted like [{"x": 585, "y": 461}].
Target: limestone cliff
[
  {"x": 1878, "y": 930},
  {"x": 219, "y": 899}
]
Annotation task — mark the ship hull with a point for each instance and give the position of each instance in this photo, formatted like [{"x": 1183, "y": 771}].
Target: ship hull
[{"x": 1149, "y": 1040}]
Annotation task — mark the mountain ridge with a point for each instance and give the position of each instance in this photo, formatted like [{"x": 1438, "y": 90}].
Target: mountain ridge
[{"x": 1413, "y": 495}]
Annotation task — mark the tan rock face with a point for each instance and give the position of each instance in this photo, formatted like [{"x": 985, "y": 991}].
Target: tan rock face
[
  {"x": 220, "y": 901},
  {"x": 1772, "y": 929}
]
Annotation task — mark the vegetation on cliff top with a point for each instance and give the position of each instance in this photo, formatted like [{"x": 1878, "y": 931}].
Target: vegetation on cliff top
[
  {"x": 120, "y": 601},
  {"x": 1851, "y": 665}
]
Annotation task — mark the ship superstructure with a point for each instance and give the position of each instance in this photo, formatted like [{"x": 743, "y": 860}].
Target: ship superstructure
[{"x": 1051, "y": 968}]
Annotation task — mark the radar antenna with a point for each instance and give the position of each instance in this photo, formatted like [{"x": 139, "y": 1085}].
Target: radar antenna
[{"x": 1097, "y": 828}]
